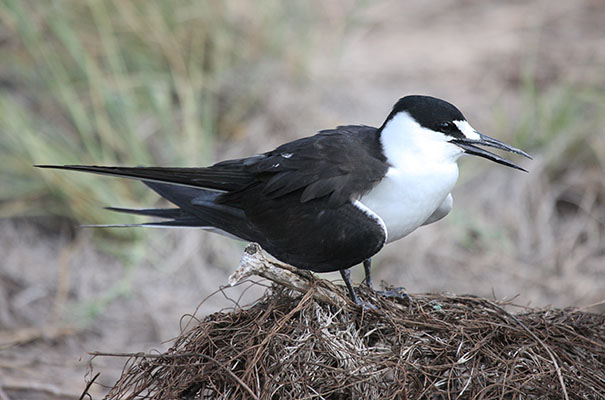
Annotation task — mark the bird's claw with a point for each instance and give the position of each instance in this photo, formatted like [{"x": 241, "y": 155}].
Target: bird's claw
[
  {"x": 395, "y": 293},
  {"x": 366, "y": 305}
]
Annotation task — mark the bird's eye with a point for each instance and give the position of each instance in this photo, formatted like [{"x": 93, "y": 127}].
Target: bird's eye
[{"x": 446, "y": 126}]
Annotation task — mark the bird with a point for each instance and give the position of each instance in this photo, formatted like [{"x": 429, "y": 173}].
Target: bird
[{"x": 330, "y": 201}]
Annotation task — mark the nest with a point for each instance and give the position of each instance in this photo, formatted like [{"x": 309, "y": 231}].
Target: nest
[{"x": 293, "y": 345}]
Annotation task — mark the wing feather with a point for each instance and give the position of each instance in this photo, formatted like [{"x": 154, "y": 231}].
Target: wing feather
[{"x": 343, "y": 163}]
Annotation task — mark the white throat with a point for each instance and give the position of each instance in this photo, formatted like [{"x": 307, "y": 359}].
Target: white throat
[
  {"x": 422, "y": 174},
  {"x": 407, "y": 144}
]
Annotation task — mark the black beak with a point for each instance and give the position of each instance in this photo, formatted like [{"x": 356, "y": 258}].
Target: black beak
[{"x": 469, "y": 147}]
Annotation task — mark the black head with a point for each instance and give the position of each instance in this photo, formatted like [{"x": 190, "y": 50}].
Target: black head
[
  {"x": 431, "y": 113},
  {"x": 440, "y": 117}
]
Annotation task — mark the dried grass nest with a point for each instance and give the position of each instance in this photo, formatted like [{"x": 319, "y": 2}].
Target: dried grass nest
[{"x": 293, "y": 345}]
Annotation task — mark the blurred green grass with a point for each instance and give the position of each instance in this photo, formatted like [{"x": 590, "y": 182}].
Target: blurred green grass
[
  {"x": 564, "y": 123},
  {"x": 130, "y": 83}
]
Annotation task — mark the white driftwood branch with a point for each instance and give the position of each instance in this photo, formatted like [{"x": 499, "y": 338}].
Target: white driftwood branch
[{"x": 256, "y": 262}]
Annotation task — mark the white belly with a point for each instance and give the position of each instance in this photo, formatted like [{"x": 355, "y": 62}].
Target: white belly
[{"x": 406, "y": 199}]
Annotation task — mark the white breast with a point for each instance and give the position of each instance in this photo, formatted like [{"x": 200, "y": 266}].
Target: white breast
[
  {"x": 405, "y": 201},
  {"x": 423, "y": 172}
]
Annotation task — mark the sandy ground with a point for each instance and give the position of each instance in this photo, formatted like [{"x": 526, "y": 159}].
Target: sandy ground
[{"x": 61, "y": 298}]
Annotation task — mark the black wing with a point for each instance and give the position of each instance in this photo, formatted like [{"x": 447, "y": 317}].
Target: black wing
[{"x": 342, "y": 163}]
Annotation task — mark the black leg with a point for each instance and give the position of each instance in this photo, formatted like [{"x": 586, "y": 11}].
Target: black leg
[
  {"x": 346, "y": 276},
  {"x": 367, "y": 267},
  {"x": 398, "y": 293}
]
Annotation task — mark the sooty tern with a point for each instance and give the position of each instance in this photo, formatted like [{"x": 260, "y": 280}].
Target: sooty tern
[{"x": 329, "y": 201}]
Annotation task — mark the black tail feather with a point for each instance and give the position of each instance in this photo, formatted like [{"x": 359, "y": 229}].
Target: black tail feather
[
  {"x": 230, "y": 177},
  {"x": 169, "y": 213},
  {"x": 197, "y": 208},
  {"x": 186, "y": 222},
  {"x": 193, "y": 190}
]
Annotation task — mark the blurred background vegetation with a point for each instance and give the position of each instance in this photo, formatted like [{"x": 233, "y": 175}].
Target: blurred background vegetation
[{"x": 130, "y": 83}]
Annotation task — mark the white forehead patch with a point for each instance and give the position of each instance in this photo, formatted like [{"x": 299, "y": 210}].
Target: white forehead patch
[{"x": 467, "y": 130}]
